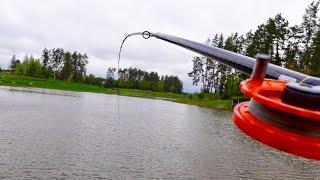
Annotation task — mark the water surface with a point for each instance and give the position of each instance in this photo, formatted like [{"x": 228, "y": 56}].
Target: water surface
[{"x": 64, "y": 135}]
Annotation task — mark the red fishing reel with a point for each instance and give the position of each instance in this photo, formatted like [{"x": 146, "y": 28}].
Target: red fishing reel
[{"x": 283, "y": 115}]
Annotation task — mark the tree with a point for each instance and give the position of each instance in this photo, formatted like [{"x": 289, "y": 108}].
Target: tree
[
  {"x": 210, "y": 73},
  {"x": 134, "y": 78},
  {"x": 68, "y": 68},
  {"x": 295, "y": 47},
  {"x": 309, "y": 26},
  {"x": 315, "y": 59},
  {"x": 56, "y": 63},
  {"x": 154, "y": 79},
  {"x": 14, "y": 62},
  {"x": 172, "y": 84},
  {"x": 79, "y": 63},
  {"x": 197, "y": 71},
  {"x": 29, "y": 67},
  {"x": 110, "y": 73},
  {"x": 310, "y": 22},
  {"x": 292, "y": 51},
  {"x": 277, "y": 28},
  {"x": 45, "y": 57},
  {"x": 56, "y": 60},
  {"x": 269, "y": 38},
  {"x": 110, "y": 81}
]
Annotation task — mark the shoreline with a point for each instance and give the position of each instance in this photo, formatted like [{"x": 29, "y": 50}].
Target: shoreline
[{"x": 8, "y": 81}]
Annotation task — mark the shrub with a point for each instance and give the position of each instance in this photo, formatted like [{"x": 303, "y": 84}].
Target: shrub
[
  {"x": 226, "y": 95},
  {"x": 200, "y": 95}
]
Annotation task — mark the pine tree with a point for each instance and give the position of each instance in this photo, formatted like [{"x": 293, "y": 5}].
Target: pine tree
[
  {"x": 293, "y": 48},
  {"x": 67, "y": 69},
  {"x": 309, "y": 25},
  {"x": 14, "y": 62},
  {"x": 315, "y": 60},
  {"x": 45, "y": 57},
  {"x": 197, "y": 70}
]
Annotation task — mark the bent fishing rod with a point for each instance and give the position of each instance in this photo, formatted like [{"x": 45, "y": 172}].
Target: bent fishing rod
[
  {"x": 284, "y": 108},
  {"x": 234, "y": 60}
]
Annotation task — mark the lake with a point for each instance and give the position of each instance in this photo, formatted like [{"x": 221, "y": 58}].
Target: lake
[{"x": 49, "y": 134}]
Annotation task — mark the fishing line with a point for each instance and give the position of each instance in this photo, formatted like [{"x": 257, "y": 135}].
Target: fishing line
[{"x": 145, "y": 35}]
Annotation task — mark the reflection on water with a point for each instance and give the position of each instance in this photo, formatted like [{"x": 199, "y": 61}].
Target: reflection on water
[{"x": 84, "y": 136}]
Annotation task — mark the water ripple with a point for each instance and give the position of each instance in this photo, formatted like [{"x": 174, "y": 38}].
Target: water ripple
[{"x": 46, "y": 136}]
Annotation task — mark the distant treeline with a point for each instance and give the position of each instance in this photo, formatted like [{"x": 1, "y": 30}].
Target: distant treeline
[
  {"x": 56, "y": 63},
  {"x": 138, "y": 79},
  {"x": 133, "y": 78},
  {"x": 64, "y": 65},
  {"x": 295, "y": 47}
]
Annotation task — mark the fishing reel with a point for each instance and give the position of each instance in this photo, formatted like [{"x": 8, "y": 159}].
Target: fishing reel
[{"x": 284, "y": 115}]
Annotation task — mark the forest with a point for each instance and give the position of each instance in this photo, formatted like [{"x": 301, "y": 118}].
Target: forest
[
  {"x": 67, "y": 66},
  {"x": 56, "y": 63},
  {"x": 296, "y": 47}
]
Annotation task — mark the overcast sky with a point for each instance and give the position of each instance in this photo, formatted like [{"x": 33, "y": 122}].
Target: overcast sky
[{"x": 96, "y": 27}]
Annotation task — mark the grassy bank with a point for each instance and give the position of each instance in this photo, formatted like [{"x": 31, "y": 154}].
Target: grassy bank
[{"x": 208, "y": 100}]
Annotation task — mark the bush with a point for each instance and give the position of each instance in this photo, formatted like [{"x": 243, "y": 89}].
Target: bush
[
  {"x": 190, "y": 96},
  {"x": 200, "y": 95},
  {"x": 226, "y": 95}
]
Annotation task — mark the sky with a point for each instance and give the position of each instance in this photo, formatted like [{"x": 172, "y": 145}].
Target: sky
[{"x": 97, "y": 27}]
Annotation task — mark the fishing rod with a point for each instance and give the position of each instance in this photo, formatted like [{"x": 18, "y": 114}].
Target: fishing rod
[
  {"x": 284, "y": 107},
  {"x": 237, "y": 61}
]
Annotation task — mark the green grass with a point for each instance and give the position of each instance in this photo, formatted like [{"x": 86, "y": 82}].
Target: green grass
[{"x": 209, "y": 100}]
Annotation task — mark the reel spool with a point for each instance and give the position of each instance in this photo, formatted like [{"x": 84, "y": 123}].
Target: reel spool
[{"x": 282, "y": 115}]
